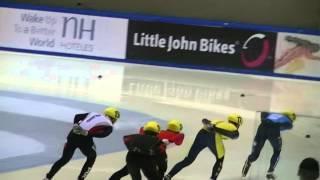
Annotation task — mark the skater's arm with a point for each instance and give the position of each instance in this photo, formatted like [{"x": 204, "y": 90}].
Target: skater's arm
[
  {"x": 233, "y": 134},
  {"x": 207, "y": 124},
  {"x": 77, "y": 129},
  {"x": 227, "y": 129},
  {"x": 171, "y": 137},
  {"x": 141, "y": 131},
  {"x": 79, "y": 117},
  {"x": 263, "y": 114},
  {"x": 100, "y": 131},
  {"x": 178, "y": 139},
  {"x": 286, "y": 124}
]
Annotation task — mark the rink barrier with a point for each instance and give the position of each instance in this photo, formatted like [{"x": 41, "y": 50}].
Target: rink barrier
[
  {"x": 201, "y": 46},
  {"x": 166, "y": 65},
  {"x": 167, "y": 19},
  {"x": 256, "y": 32}
]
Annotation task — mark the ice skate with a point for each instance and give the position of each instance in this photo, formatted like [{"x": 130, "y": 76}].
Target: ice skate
[
  {"x": 245, "y": 169},
  {"x": 46, "y": 178},
  {"x": 270, "y": 176},
  {"x": 167, "y": 177}
]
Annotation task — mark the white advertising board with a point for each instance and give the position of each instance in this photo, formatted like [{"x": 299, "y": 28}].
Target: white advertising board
[{"x": 63, "y": 33}]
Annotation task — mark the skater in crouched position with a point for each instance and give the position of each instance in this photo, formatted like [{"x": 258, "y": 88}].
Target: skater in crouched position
[
  {"x": 269, "y": 129},
  {"x": 86, "y": 126},
  {"x": 144, "y": 151},
  {"x": 171, "y": 136},
  {"x": 210, "y": 136}
]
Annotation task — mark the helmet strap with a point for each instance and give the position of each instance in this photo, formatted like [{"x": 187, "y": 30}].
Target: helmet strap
[
  {"x": 113, "y": 120},
  {"x": 236, "y": 124}
]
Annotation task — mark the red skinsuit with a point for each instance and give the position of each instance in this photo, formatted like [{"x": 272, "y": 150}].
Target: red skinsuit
[{"x": 172, "y": 137}]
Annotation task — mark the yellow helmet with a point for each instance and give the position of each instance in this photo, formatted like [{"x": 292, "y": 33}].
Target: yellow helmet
[
  {"x": 290, "y": 114},
  {"x": 236, "y": 119},
  {"x": 152, "y": 126},
  {"x": 174, "y": 125},
  {"x": 112, "y": 113}
]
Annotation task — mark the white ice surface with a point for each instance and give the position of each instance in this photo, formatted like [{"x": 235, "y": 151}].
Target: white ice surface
[{"x": 14, "y": 145}]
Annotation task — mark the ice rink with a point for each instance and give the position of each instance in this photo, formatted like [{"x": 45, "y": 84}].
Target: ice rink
[{"x": 39, "y": 96}]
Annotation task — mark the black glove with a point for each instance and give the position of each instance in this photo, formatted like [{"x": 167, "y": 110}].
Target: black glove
[
  {"x": 206, "y": 121},
  {"x": 208, "y": 124}
]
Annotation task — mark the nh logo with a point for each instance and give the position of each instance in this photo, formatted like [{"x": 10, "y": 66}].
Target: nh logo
[{"x": 76, "y": 27}]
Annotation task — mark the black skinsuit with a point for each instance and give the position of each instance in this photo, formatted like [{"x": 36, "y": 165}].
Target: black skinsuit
[
  {"x": 84, "y": 143},
  {"x": 144, "y": 154}
]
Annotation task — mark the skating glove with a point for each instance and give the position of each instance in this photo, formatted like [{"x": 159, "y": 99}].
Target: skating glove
[
  {"x": 76, "y": 129},
  {"x": 166, "y": 141},
  {"x": 208, "y": 124}
]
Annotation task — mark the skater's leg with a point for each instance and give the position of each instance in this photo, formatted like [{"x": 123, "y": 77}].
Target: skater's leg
[
  {"x": 162, "y": 162},
  {"x": 257, "y": 146},
  {"x": 134, "y": 163},
  {"x": 67, "y": 154},
  {"x": 217, "y": 148},
  {"x": 134, "y": 172},
  {"x": 276, "y": 144},
  {"x": 198, "y": 145},
  {"x": 217, "y": 168},
  {"x": 150, "y": 170},
  {"x": 89, "y": 150},
  {"x": 119, "y": 174}
]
